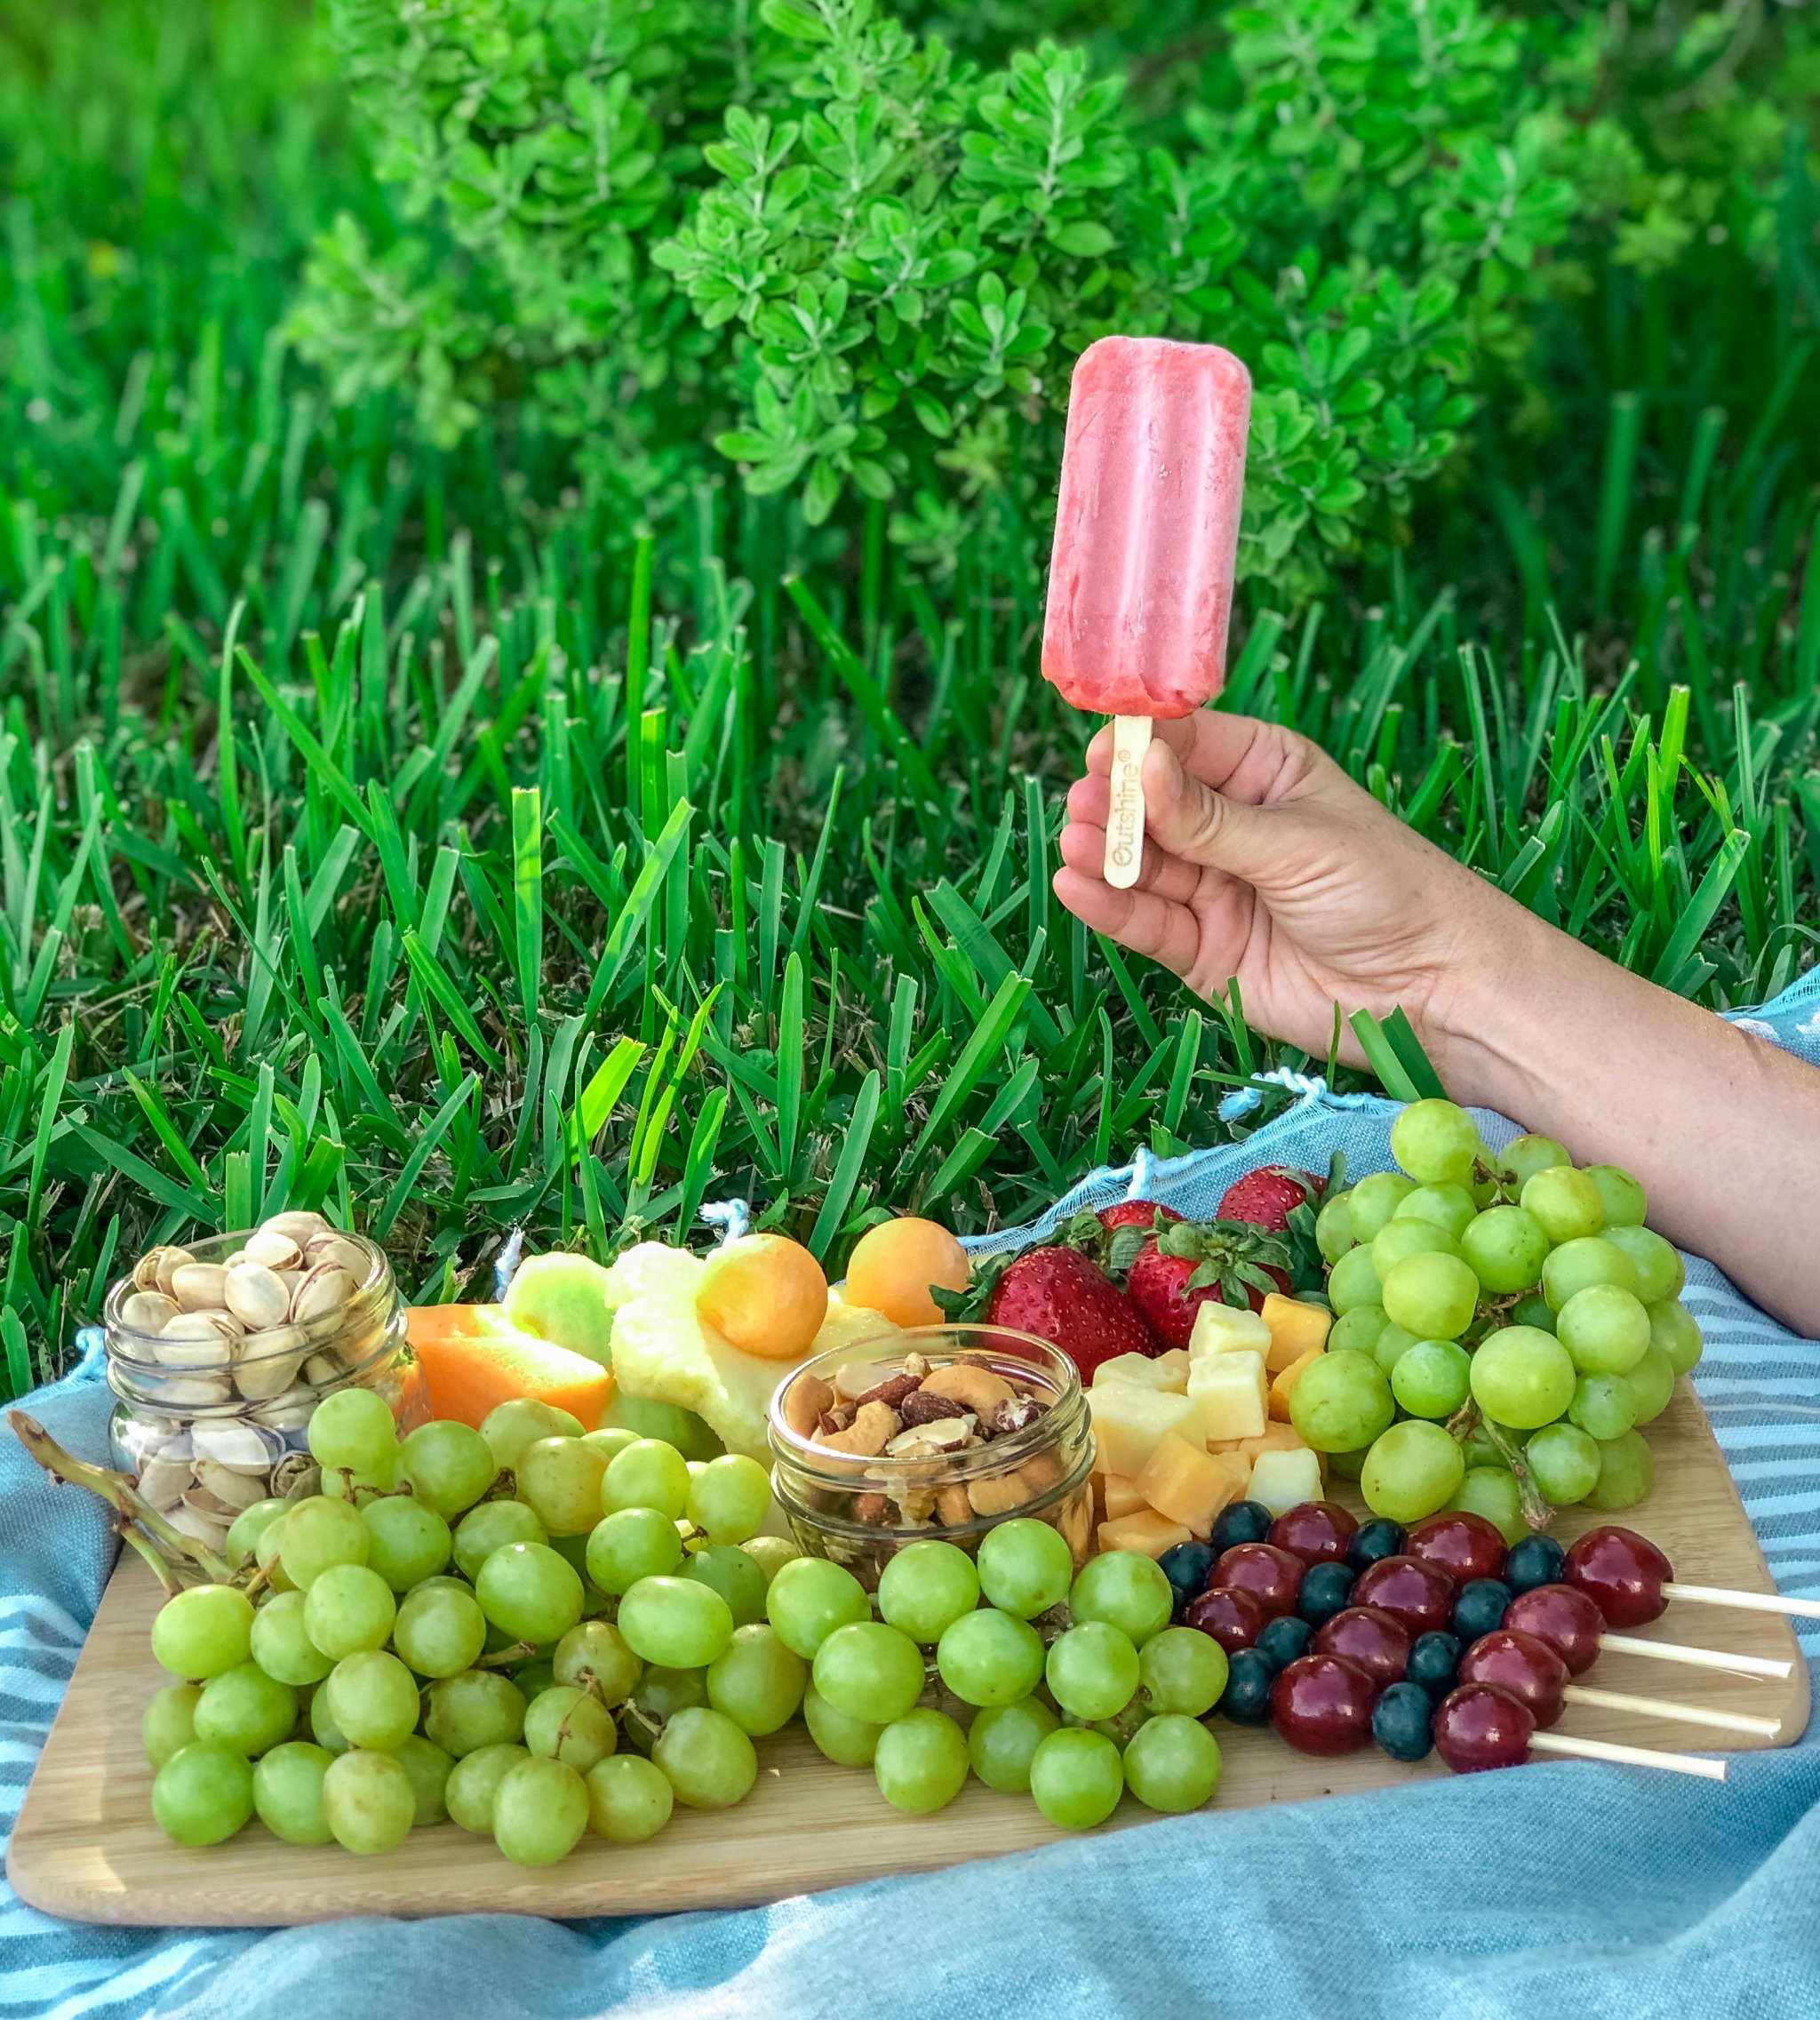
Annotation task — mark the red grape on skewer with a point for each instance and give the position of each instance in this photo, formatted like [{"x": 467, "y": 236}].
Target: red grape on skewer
[
  {"x": 1271, "y": 1576},
  {"x": 1527, "y": 1668},
  {"x": 1322, "y": 1705},
  {"x": 1631, "y": 1582},
  {"x": 1234, "y": 1619},
  {"x": 1417, "y": 1595},
  {"x": 1370, "y": 1637},
  {"x": 1564, "y": 1617},
  {"x": 1463, "y": 1545},
  {"x": 1318, "y": 1532},
  {"x": 1480, "y": 1726}
]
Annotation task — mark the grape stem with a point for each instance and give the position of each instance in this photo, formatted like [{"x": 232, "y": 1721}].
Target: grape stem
[
  {"x": 1535, "y": 1510},
  {"x": 503, "y": 1659},
  {"x": 129, "y": 1534}
]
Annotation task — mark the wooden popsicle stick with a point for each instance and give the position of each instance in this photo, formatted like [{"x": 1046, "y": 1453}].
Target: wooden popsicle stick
[
  {"x": 1124, "y": 826},
  {"x": 1751, "y": 1602},
  {"x": 1664, "y": 1708},
  {"x": 1697, "y": 1659},
  {"x": 1630, "y": 1756}
]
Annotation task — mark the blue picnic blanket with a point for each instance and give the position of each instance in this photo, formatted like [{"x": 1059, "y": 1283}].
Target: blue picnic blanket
[{"x": 1566, "y": 1889}]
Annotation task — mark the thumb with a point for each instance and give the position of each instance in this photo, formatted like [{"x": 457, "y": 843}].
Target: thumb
[{"x": 1200, "y": 826}]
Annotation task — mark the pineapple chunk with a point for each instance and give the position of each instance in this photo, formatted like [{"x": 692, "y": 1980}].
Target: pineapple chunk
[
  {"x": 1295, "y": 1329},
  {"x": 1122, "y": 1497},
  {"x": 1167, "y": 1374},
  {"x": 1145, "y": 1530},
  {"x": 1127, "y": 1421},
  {"x": 1229, "y": 1392},
  {"x": 1188, "y": 1484},
  {"x": 1225, "y": 1329},
  {"x": 1284, "y": 1480},
  {"x": 1284, "y": 1385},
  {"x": 651, "y": 1268}
]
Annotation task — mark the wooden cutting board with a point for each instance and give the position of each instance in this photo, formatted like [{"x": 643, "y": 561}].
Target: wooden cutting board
[{"x": 86, "y": 1846}]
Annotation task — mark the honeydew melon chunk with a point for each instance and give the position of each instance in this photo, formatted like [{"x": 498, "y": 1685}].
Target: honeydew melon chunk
[
  {"x": 1225, "y": 1328},
  {"x": 561, "y": 1298},
  {"x": 648, "y": 1267}
]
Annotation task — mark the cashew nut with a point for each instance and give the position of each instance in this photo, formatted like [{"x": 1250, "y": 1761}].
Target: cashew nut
[
  {"x": 974, "y": 1387},
  {"x": 804, "y": 1401},
  {"x": 872, "y": 1430}
]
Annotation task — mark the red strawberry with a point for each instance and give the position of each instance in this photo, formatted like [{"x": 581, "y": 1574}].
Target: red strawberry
[
  {"x": 1064, "y": 1298},
  {"x": 1267, "y": 1196},
  {"x": 1229, "y": 1261},
  {"x": 1135, "y": 1213}
]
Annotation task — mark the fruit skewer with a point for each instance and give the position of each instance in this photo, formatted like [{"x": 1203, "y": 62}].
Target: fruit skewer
[
  {"x": 1631, "y": 1581},
  {"x": 1573, "y": 1626},
  {"x": 1530, "y": 1669},
  {"x": 1480, "y": 1726}
]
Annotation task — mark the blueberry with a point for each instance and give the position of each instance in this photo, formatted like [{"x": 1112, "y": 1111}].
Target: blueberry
[
  {"x": 1374, "y": 1540},
  {"x": 1480, "y": 1608},
  {"x": 1243, "y": 1522},
  {"x": 1403, "y": 1720},
  {"x": 1186, "y": 1567},
  {"x": 1536, "y": 1560},
  {"x": 1283, "y": 1639},
  {"x": 1434, "y": 1661},
  {"x": 1325, "y": 1591},
  {"x": 1246, "y": 1699}
]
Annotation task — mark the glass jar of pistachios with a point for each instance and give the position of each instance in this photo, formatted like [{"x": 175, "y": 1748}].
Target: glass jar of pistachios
[{"x": 218, "y": 1353}]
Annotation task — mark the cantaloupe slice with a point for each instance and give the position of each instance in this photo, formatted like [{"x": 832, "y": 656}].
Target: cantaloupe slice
[
  {"x": 1284, "y": 1385},
  {"x": 475, "y": 1361}
]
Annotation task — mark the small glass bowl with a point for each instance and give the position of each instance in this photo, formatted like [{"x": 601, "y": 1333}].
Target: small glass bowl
[{"x": 861, "y": 1511}]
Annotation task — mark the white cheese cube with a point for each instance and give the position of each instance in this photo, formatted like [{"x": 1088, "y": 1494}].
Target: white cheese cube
[
  {"x": 1168, "y": 1372},
  {"x": 1285, "y": 1480},
  {"x": 1127, "y": 1421},
  {"x": 1225, "y": 1329},
  {"x": 1231, "y": 1392}
]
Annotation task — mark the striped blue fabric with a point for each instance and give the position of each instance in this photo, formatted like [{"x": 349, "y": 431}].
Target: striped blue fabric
[{"x": 1568, "y": 1888}]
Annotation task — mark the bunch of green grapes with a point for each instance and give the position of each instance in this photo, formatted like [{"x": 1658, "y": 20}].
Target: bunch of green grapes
[{"x": 1504, "y": 1326}]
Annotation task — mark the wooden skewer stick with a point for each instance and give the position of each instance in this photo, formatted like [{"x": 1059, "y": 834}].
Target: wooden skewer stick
[
  {"x": 1750, "y": 1602},
  {"x": 1697, "y": 1659},
  {"x": 1664, "y": 1708},
  {"x": 1630, "y": 1756},
  {"x": 1124, "y": 826}
]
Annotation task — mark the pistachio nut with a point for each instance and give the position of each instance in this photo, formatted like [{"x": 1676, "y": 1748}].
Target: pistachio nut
[
  {"x": 199, "y": 1287},
  {"x": 340, "y": 1252},
  {"x": 297, "y": 1226},
  {"x": 276, "y": 1251},
  {"x": 257, "y": 1295},
  {"x": 320, "y": 1292},
  {"x": 147, "y": 1311}
]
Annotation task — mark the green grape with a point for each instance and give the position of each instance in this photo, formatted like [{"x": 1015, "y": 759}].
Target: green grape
[
  {"x": 513, "y": 1425},
  {"x": 539, "y": 1812},
  {"x": 450, "y": 1466},
  {"x": 1478, "y": 1449},
  {"x": 1522, "y": 1377},
  {"x": 1002, "y": 1739},
  {"x": 477, "y": 1708},
  {"x": 372, "y": 1699},
  {"x": 359, "y": 1489},
  {"x": 1620, "y": 1194},
  {"x": 535, "y": 1678},
  {"x": 427, "y": 1768},
  {"x": 733, "y": 1575},
  {"x": 246, "y": 1709},
  {"x": 661, "y": 1693},
  {"x": 1077, "y": 1778},
  {"x": 559, "y": 1480},
  {"x": 244, "y": 1533},
  {"x": 1374, "y": 1199},
  {"x": 809, "y": 1598},
  {"x": 628, "y": 1799},
  {"x": 1397, "y": 1240},
  {"x": 1342, "y": 1403},
  {"x": 348, "y": 1609},
  {"x": 677, "y": 1623},
  {"x": 673, "y": 1426},
  {"x": 1673, "y": 1328},
  {"x": 318, "y": 1534},
  {"x": 265, "y": 1554},
  {"x": 1172, "y": 1763},
  {"x": 287, "y": 1793},
  {"x": 848, "y": 1742},
  {"x": 635, "y": 1544},
  {"x": 869, "y": 1671},
  {"x": 596, "y": 1656},
  {"x": 1652, "y": 1382},
  {"x": 920, "y": 1762},
  {"x": 1524, "y": 1156},
  {"x": 1126, "y": 1590},
  {"x": 927, "y": 1587},
  {"x": 1435, "y": 1142},
  {"x": 353, "y": 1428},
  {"x": 990, "y": 1657},
  {"x": 706, "y": 1758},
  {"x": 1505, "y": 1249},
  {"x": 771, "y": 1553},
  {"x": 1184, "y": 1670},
  {"x": 1534, "y": 1310},
  {"x": 1577, "y": 1265},
  {"x": 169, "y": 1724},
  {"x": 1626, "y": 1472},
  {"x": 647, "y": 1474},
  {"x": 1492, "y": 1491},
  {"x": 612, "y": 1442},
  {"x": 280, "y": 1645},
  {"x": 491, "y": 1527},
  {"x": 567, "y": 1724},
  {"x": 1357, "y": 1330},
  {"x": 1565, "y": 1202},
  {"x": 1450, "y": 1207},
  {"x": 1392, "y": 1343},
  {"x": 1604, "y": 1406},
  {"x": 1660, "y": 1271},
  {"x": 367, "y": 1802},
  {"x": 758, "y": 1683},
  {"x": 1026, "y": 1567},
  {"x": 1348, "y": 1466},
  {"x": 1563, "y": 1462},
  {"x": 530, "y": 1592},
  {"x": 1092, "y": 1671},
  {"x": 730, "y": 1497},
  {"x": 1413, "y": 1470},
  {"x": 406, "y": 1542},
  {"x": 326, "y": 1733},
  {"x": 203, "y": 1793},
  {"x": 1432, "y": 1378},
  {"x": 1604, "y": 1328},
  {"x": 1353, "y": 1281},
  {"x": 474, "y": 1781},
  {"x": 1333, "y": 1231},
  {"x": 1435, "y": 1296},
  {"x": 440, "y": 1631},
  {"x": 204, "y": 1632}
]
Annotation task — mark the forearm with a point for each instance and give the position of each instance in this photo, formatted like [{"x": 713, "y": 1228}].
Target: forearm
[{"x": 1722, "y": 1127}]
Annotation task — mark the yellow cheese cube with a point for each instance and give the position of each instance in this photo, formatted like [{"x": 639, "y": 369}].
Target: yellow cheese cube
[
  {"x": 1284, "y": 1385},
  {"x": 1146, "y": 1531},
  {"x": 1295, "y": 1329},
  {"x": 1127, "y": 1421},
  {"x": 1167, "y": 1373},
  {"x": 1188, "y": 1484},
  {"x": 1225, "y": 1328},
  {"x": 1122, "y": 1497},
  {"x": 1273, "y": 1437},
  {"x": 1229, "y": 1392},
  {"x": 1283, "y": 1480}
]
